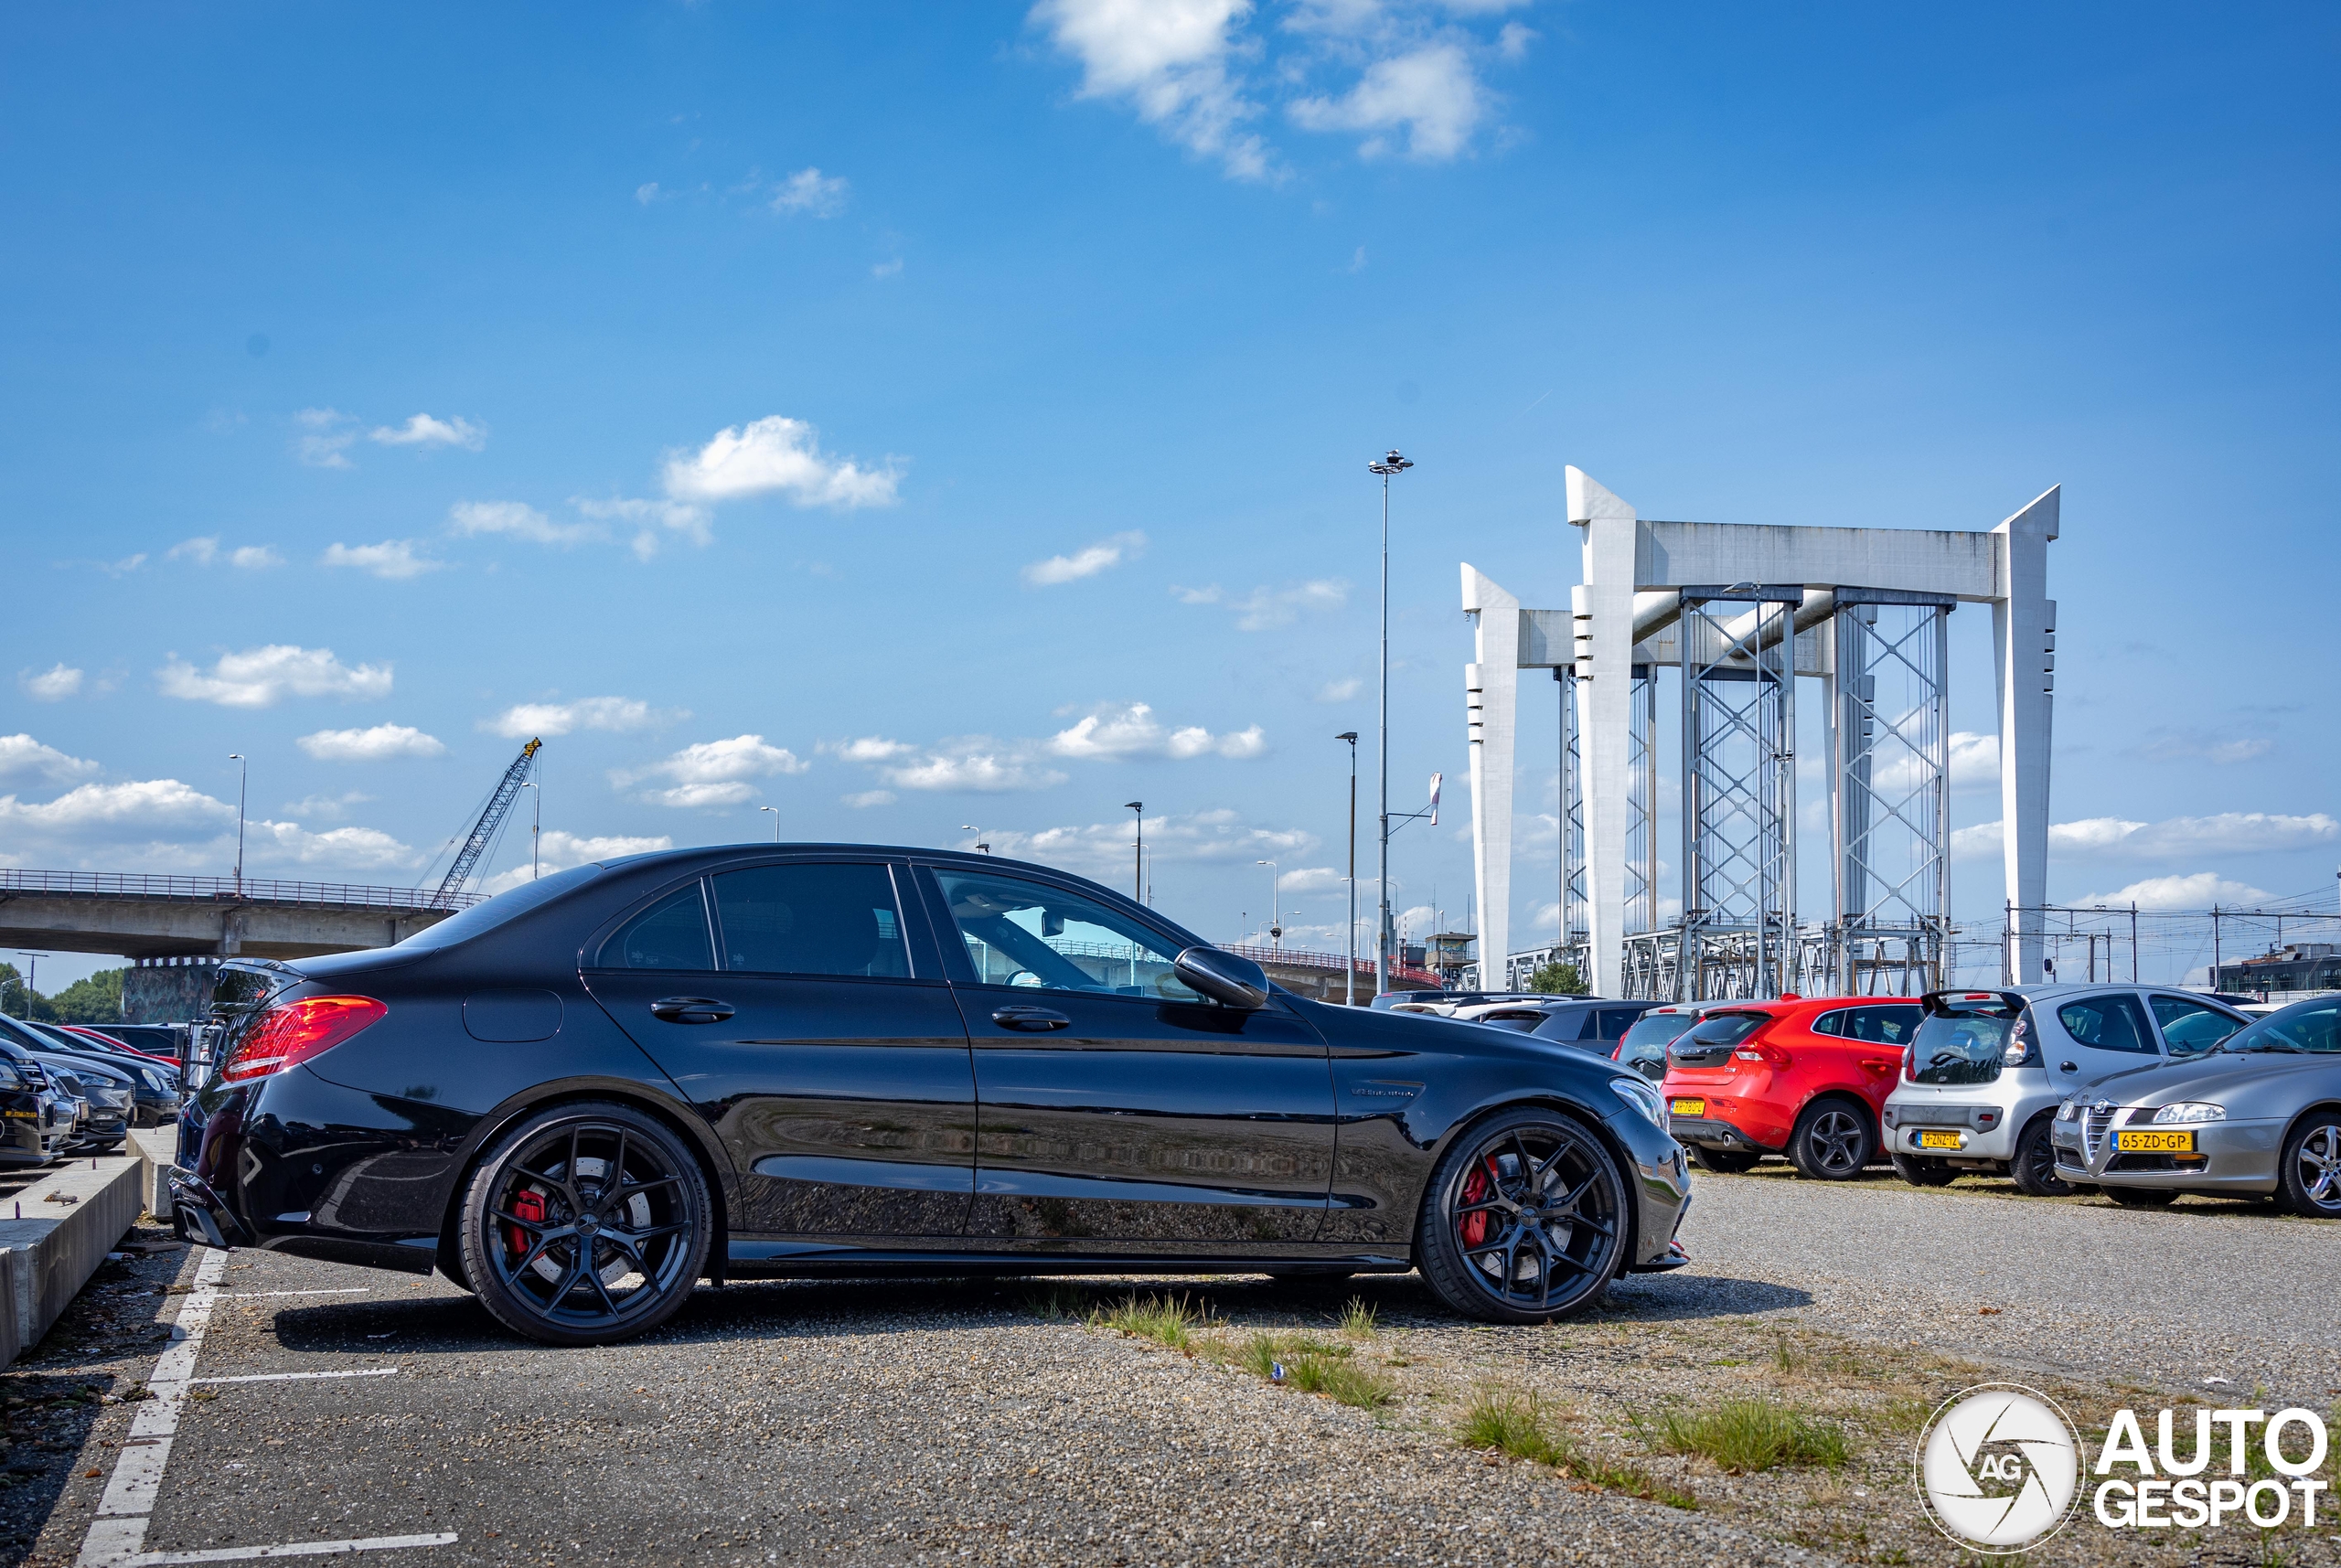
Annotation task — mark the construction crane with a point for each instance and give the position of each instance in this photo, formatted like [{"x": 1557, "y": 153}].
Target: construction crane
[{"x": 483, "y": 831}]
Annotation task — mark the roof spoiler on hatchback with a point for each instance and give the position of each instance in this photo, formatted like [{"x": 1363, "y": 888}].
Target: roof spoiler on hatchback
[{"x": 1970, "y": 1000}]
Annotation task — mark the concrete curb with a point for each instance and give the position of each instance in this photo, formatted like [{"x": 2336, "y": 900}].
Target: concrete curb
[
  {"x": 71, "y": 1219},
  {"x": 158, "y": 1147}
]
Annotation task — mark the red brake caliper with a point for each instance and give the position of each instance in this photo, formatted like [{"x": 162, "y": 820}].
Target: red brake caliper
[
  {"x": 528, "y": 1205},
  {"x": 1476, "y": 1188}
]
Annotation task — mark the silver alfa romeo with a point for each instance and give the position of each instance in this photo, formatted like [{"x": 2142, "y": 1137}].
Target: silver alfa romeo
[{"x": 2257, "y": 1112}]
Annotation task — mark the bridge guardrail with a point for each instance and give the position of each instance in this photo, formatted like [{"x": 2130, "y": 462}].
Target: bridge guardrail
[{"x": 228, "y": 890}]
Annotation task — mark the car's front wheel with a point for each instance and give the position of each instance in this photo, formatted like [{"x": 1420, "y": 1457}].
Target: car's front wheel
[
  {"x": 587, "y": 1224},
  {"x": 2309, "y": 1177},
  {"x": 1525, "y": 1218}
]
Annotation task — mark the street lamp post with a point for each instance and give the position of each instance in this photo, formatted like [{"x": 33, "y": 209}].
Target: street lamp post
[
  {"x": 1349, "y": 979},
  {"x": 776, "y": 821},
  {"x": 1276, "y": 932},
  {"x": 981, "y": 848},
  {"x": 32, "y": 968},
  {"x": 1386, "y": 466},
  {"x": 243, "y": 776},
  {"x": 1137, "y": 865},
  {"x": 536, "y": 824}
]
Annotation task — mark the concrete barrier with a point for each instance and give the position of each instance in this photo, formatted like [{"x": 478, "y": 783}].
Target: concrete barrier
[
  {"x": 156, "y": 1147},
  {"x": 54, "y": 1233}
]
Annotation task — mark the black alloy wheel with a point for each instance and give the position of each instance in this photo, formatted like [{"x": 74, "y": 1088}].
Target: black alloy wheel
[
  {"x": 1924, "y": 1170},
  {"x": 1525, "y": 1218},
  {"x": 1831, "y": 1142},
  {"x": 2308, "y": 1178},
  {"x": 2034, "y": 1168},
  {"x": 2142, "y": 1197},
  {"x": 1724, "y": 1161},
  {"x": 586, "y": 1225}
]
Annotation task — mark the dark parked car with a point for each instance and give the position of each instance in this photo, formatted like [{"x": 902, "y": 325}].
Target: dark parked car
[
  {"x": 36, "y": 1120},
  {"x": 159, "y": 1042},
  {"x": 154, "y": 1086},
  {"x": 581, "y": 1096},
  {"x": 1592, "y": 1023}
]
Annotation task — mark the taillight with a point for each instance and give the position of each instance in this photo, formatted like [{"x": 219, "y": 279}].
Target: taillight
[{"x": 288, "y": 1036}]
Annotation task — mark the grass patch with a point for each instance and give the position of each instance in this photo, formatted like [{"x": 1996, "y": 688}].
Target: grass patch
[
  {"x": 1359, "y": 1320},
  {"x": 1744, "y": 1435},
  {"x": 1166, "y": 1320},
  {"x": 1313, "y": 1366},
  {"x": 1517, "y": 1425},
  {"x": 1059, "y": 1303}
]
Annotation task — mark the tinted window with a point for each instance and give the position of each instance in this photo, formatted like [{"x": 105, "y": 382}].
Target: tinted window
[
  {"x": 1523, "y": 1021},
  {"x": 1727, "y": 1029},
  {"x": 1962, "y": 1048},
  {"x": 2305, "y": 1026},
  {"x": 1831, "y": 1023},
  {"x": 1615, "y": 1021},
  {"x": 669, "y": 934},
  {"x": 811, "y": 920},
  {"x": 2189, "y": 1026},
  {"x": 1657, "y": 1030},
  {"x": 2108, "y": 1023},
  {"x": 1568, "y": 1024},
  {"x": 1028, "y": 934},
  {"x": 1881, "y": 1026}
]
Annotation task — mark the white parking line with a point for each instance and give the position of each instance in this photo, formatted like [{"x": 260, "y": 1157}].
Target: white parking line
[
  {"x": 256, "y": 1295},
  {"x": 296, "y": 1377},
  {"x": 117, "y": 1536}
]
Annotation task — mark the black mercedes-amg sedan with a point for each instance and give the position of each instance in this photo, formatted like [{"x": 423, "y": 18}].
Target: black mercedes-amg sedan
[{"x": 580, "y": 1097}]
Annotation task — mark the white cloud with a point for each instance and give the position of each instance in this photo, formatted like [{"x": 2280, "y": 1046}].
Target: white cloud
[
  {"x": 149, "y": 808},
  {"x": 1103, "y": 849},
  {"x": 54, "y": 684},
  {"x": 775, "y": 455},
  {"x": 423, "y": 431},
  {"x": 393, "y": 560},
  {"x": 647, "y": 193},
  {"x": 713, "y": 773},
  {"x": 648, "y": 517},
  {"x": 1433, "y": 92},
  {"x": 1513, "y": 41},
  {"x": 864, "y": 799},
  {"x": 1340, "y": 690},
  {"x": 1114, "y": 731},
  {"x": 1266, "y": 608},
  {"x": 324, "y": 439},
  {"x": 343, "y": 849},
  {"x": 1089, "y": 562},
  {"x": 557, "y": 851},
  {"x": 259, "y": 677},
  {"x": 22, "y": 757},
  {"x": 253, "y": 556},
  {"x": 328, "y": 807},
  {"x": 1974, "y": 760},
  {"x": 1306, "y": 880},
  {"x": 206, "y": 550},
  {"x": 518, "y": 520},
  {"x": 2200, "y": 890},
  {"x": 380, "y": 743},
  {"x": 1169, "y": 60},
  {"x": 2228, "y": 832},
  {"x": 975, "y": 764},
  {"x": 810, "y": 192},
  {"x": 888, "y": 269},
  {"x": 200, "y": 550},
  {"x": 868, "y": 748},
  {"x": 525, "y": 720},
  {"x": 2195, "y": 745}
]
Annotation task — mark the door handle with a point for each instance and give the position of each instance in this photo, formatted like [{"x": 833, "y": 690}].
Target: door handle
[
  {"x": 690, "y": 1009},
  {"x": 2067, "y": 1067},
  {"x": 1035, "y": 1019}
]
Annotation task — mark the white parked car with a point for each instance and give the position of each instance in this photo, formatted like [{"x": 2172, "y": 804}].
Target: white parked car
[{"x": 1988, "y": 1069}]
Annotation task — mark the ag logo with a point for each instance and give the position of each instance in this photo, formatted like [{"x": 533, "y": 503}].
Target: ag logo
[{"x": 1999, "y": 1467}]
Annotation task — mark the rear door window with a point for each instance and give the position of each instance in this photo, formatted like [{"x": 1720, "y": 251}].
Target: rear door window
[
  {"x": 670, "y": 934},
  {"x": 812, "y": 918},
  {"x": 2108, "y": 1023},
  {"x": 2190, "y": 1025},
  {"x": 1615, "y": 1021}
]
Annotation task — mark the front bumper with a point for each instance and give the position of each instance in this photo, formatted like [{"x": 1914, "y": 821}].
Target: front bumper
[{"x": 2230, "y": 1156}]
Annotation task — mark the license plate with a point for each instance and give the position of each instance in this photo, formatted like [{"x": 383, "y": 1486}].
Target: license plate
[
  {"x": 1942, "y": 1140},
  {"x": 2154, "y": 1143},
  {"x": 1690, "y": 1107}
]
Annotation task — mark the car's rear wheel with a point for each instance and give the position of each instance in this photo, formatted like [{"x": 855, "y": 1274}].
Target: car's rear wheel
[
  {"x": 1724, "y": 1161},
  {"x": 2034, "y": 1168},
  {"x": 1832, "y": 1141},
  {"x": 2142, "y": 1197},
  {"x": 2309, "y": 1177},
  {"x": 1924, "y": 1170},
  {"x": 587, "y": 1224},
  {"x": 1526, "y": 1219}
]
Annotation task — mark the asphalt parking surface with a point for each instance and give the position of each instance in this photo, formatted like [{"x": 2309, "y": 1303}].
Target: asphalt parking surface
[{"x": 935, "y": 1420}]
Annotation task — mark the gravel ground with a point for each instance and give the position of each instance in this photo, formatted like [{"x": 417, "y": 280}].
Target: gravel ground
[{"x": 953, "y": 1420}]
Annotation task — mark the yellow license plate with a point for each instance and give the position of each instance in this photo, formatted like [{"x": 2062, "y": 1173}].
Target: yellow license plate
[
  {"x": 2154, "y": 1143},
  {"x": 1690, "y": 1107},
  {"x": 22, "y": 1116},
  {"x": 1942, "y": 1140}
]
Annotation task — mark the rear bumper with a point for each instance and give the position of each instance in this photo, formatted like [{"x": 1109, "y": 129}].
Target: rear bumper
[{"x": 1709, "y": 1133}]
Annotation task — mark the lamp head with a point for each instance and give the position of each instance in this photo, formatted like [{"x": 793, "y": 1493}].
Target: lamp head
[
  {"x": 1133, "y": 806},
  {"x": 1349, "y": 735}
]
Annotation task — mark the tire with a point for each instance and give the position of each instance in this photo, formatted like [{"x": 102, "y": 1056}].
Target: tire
[
  {"x": 2142, "y": 1197},
  {"x": 1920, "y": 1170},
  {"x": 538, "y": 1210},
  {"x": 1833, "y": 1141},
  {"x": 1724, "y": 1161},
  {"x": 2034, "y": 1168},
  {"x": 1525, "y": 1218},
  {"x": 2308, "y": 1177}
]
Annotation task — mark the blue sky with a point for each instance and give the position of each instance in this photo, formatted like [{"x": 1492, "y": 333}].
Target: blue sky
[{"x": 710, "y": 388}]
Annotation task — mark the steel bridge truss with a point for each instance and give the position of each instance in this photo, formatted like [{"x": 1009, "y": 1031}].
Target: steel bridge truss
[{"x": 1738, "y": 650}]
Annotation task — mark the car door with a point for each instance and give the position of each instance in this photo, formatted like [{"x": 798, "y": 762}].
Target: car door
[
  {"x": 2101, "y": 1034},
  {"x": 1112, "y": 1101},
  {"x": 799, "y": 1003}
]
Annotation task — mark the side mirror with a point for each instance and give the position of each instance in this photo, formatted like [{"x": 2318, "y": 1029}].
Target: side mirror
[{"x": 1224, "y": 977}]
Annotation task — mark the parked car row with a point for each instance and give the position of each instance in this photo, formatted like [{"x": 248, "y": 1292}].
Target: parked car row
[{"x": 68, "y": 1090}]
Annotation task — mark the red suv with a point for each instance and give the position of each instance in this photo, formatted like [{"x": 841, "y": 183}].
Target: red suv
[{"x": 1795, "y": 1077}]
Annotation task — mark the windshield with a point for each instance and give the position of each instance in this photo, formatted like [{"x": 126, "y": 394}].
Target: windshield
[
  {"x": 1656, "y": 1030},
  {"x": 1963, "y": 1046},
  {"x": 2302, "y": 1027},
  {"x": 481, "y": 917}
]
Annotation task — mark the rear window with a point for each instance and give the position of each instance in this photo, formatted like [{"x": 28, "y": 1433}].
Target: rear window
[
  {"x": 464, "y": 924},
  {"x": 1657, "y": 1029},
  {"x": 1963, "y": 1045},
  {"x": 1727, "y": 1029}
]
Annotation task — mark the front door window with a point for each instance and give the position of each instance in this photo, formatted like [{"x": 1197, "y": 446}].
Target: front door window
[{"x": 1037, "y": 937}]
